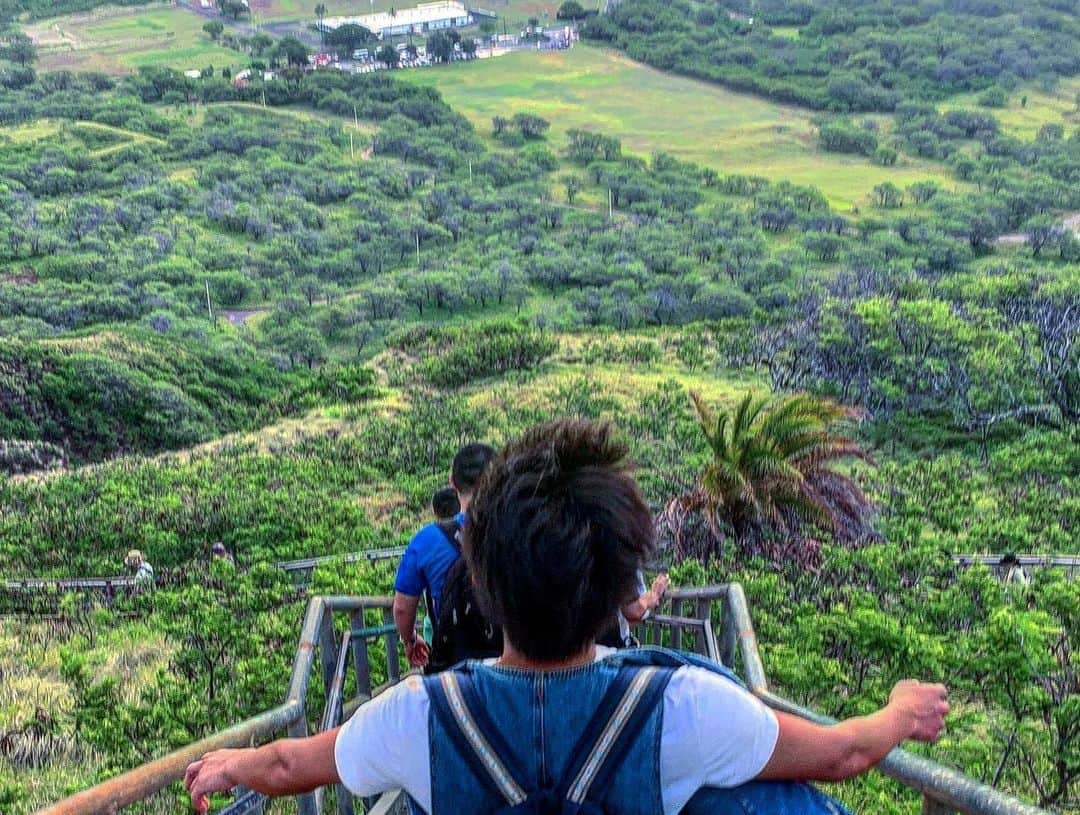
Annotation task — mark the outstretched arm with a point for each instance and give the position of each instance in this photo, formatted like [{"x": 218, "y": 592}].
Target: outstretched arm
[
  {"x": 811, "y": 752},
  {"x": 635, "y": 611},
  {"x": 284, "y": 767}
]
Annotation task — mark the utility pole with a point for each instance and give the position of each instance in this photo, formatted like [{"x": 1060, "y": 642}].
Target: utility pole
[
  {"x": 355, "y": 119},
  {"x": 470, "y": 171},
  {"x": 209, "y": 310},
  {"x": 609, "y": 200},
  {"x": 352, "y": 151},
  {"x": 417, "y": 250}
]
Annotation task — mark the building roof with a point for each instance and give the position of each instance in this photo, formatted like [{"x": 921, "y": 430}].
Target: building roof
[{"x": 423, "y": 13}]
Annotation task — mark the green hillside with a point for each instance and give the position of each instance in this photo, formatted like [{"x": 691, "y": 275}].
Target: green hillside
[{"x": 267, "y": 313}]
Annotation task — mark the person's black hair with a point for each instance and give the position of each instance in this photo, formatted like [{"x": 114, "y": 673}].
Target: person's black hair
[
  {"x": 469, "y": 464},
  {"x": 445, "y": 503},
  {"x": 557, "y": 532},
  {"x": 1008, "y": 559}
]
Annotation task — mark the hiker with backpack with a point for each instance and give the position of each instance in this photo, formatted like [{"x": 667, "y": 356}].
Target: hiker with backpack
[
  {"x": 446, "y": 507},
  {"x": 557, "y": 725},
  {"x": 431, "y": 553}
]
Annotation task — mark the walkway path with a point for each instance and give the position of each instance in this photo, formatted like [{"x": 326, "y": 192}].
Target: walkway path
[{"x": 1070, "y": 221}]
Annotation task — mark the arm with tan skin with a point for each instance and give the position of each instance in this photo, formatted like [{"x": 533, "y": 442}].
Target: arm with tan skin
[
  {"x": 635, "y": 611},
  {"x": 417, "y": 650},
  {"x": 811, "y": 752},
  {"x": 284, "y": 767}
]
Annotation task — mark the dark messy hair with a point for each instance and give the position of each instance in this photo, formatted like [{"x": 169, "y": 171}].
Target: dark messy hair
[
  {"x": 469, "y": 464},
  {"x": 557, "y": 532},
  {"x": 445, "y": 503}
]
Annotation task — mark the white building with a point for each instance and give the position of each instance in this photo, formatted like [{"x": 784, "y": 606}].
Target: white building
[{"x": 420, "y": 20}]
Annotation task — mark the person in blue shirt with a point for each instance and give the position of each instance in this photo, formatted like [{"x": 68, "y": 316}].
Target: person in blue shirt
[{"x": 431, "y": 553}]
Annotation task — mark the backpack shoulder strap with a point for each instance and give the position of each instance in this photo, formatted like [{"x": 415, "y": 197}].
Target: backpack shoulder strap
[
  {"x": 627, "y": 705},
  {"x": 456, "y": 703},
  {"x": 450, "y": 530},
  {"x": 664, "y": 657}
]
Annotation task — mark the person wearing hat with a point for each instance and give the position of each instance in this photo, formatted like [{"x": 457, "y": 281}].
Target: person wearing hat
[
  {"x": 219, "y": 552},
  {"x": 144, "y": 572}
]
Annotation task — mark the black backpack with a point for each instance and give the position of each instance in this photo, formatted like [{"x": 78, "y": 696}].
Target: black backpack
[{"x": 460, "y": 630}]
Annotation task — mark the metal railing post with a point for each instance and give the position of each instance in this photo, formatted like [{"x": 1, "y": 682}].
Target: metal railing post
[
  {"x": 728, "y": 635},
  {"x": 676, "y": 631},
  {"x": 360, "y": 655},
  {"x": 393, "y": 668}
]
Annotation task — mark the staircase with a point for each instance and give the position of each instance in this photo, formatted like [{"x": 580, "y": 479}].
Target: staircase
[{"x": 358, "y": 634}]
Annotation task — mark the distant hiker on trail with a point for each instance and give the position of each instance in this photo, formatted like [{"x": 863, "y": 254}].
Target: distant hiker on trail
[
  {"x": 634, "y": 612},
  {"x": 446, "y": 506},
  {"x": 558, "y": 530},
  {"x": 219, "y": 552},
  {"x": 1012, "y": 571},
  {"x": 431, "y": 553},
  {"x": 144, "y": 572}
]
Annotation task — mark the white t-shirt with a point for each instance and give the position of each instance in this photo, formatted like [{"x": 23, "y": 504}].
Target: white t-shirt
[{"x": 715, "y": 734}]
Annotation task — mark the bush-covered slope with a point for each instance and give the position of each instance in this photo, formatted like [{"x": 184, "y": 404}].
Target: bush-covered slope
[{"x": 849, "y": 56}]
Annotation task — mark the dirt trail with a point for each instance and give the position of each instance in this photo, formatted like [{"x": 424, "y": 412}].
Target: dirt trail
[
  {"x": 239, "y": 318},
  {"x": 1069, "y": 221}
]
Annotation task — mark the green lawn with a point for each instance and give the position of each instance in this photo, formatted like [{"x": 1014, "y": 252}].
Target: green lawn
[
  {"x": 118, "y": 40},
  {"x": 651, "y": 110}
]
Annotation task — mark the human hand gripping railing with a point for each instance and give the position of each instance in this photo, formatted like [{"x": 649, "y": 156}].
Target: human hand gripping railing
[
  {"x": 944, "y": 790},
  {"x": 317, "y": 631}
]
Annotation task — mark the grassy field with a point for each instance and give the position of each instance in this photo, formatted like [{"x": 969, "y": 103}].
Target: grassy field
[
  {"x": 118, "y": 40},
  {"x": 651, "y": 110},
  {"x": 1024, "y": 120}
]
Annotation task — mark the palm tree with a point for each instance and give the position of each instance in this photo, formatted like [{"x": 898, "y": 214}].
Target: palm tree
[
  {"x": 320, "y": 15},
  {"x": 770, "y": 476}
]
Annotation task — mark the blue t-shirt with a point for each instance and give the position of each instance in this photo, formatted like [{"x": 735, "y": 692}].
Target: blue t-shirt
[{"x": 427, "y": 559}]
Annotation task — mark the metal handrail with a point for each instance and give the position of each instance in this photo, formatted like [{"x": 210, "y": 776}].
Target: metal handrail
[
  {"x": 128, "y": 581},
  {"x": 1069, "y": 562},
  {"x": 944, "y": 789},
  {"x": 317, "y": 632},
  {"x": 691, "y": 617}
]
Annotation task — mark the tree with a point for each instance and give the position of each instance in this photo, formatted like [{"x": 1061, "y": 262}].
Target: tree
[
  {"x": 531, "y": 127},
  {"x": 18, "y": 48},
  {"x": 770, "y": 475},
  {"x": 388, "y": 56},
  {"x": 233, "y": 8},
  {"x": 570, "y": 10},
  {"x": 440, "y": 47},
  {"x": 573, "y": 187},
  {"x": 291, "y": 51},
  {"x": 887, "y": 196},
  {"x": 214, "y": 29},
  {"x": 260, "y": 43},
  {"x": 1043, "y": 232},
  {"x": 468, "y": 47},
  {"x": 347, "y": 38},
  {"x": 320, "y": 15}
]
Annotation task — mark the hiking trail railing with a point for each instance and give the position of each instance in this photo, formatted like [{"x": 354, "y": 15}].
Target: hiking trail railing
[
  {"x": 368, "y": 640},
  {"x": 1070, "y": 563},
  {"x": 301, "y": 570}
]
